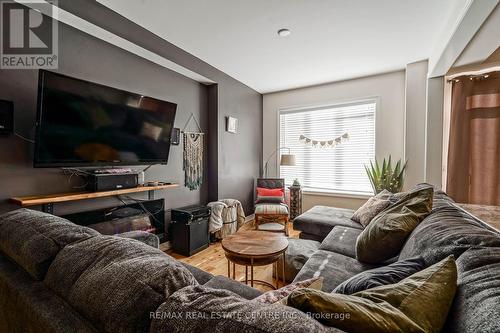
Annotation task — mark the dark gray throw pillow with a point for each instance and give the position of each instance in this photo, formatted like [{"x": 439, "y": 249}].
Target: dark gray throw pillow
[{"x": 381, "y": 276}]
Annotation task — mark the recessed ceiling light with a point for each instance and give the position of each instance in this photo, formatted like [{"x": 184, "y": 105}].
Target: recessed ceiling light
[{"x": 284, "y": 32}]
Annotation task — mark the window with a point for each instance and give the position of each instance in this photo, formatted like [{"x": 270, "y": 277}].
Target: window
[{"x": 339, "y": 169}]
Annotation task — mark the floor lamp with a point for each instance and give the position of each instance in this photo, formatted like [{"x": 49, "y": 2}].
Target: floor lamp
[{"x": 286, "y": 159}]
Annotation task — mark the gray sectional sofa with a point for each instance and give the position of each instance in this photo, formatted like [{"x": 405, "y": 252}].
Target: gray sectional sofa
[
  {"x": 56, "y": 276},
  {"x": 447, "y": 230},
  {"x": 59, "y": 277}
]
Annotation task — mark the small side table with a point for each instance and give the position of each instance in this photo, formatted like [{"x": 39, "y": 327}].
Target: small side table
[
  {"x": 295, "y": 201},
  {"x": 255, "y": 248}
]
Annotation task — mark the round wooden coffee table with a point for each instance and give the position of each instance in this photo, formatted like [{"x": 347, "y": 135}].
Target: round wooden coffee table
[{"x": 255, "y": 248}]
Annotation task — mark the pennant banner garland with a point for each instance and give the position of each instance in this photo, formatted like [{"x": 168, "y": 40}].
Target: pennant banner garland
[{"x": 324, "y": 143}]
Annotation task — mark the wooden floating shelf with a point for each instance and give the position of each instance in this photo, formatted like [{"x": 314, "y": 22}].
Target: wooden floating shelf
[{"x": 73, "y": 196}]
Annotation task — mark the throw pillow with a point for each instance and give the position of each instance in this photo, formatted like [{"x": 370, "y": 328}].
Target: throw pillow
[
  {"x": 384, "y": 237},
  {"x": 274, "y": 296},
  {"x": 372, "y": 208},
  {"x": 350, "y": 313},
  {"x": 270, "y": 195},
  {"x": 418, "y": 303},
  {"x": 435, "y": 285},
  {"x": 395, "y": 197},
  {"x": 381, "y": 276}
]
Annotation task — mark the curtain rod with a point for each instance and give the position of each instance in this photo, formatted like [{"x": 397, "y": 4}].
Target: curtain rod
[{"x": 478, "y": 72}]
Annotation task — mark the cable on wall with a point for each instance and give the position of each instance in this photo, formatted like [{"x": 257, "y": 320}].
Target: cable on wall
[{"x": 24, "y": 138}]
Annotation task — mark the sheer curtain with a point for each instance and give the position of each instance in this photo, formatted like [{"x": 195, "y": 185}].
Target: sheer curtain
[{"x": 474, "y": 147}]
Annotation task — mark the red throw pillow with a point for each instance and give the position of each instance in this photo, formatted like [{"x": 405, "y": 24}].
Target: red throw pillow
[
  {"x": 270, "y": 192},
  {"x": 270, "y": 195}
]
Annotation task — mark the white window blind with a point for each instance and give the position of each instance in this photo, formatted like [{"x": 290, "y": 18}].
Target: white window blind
[{"x": 339, "y": 169}]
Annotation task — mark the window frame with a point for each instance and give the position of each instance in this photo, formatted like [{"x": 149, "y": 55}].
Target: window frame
[{"x": 313, "y": 107}]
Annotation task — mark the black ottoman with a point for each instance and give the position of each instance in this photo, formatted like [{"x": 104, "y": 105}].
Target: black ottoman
[{"x": 318, "y": 221}]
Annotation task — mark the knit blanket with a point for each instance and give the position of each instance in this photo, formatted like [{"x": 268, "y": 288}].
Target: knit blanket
[{"x": 225, "y": 211}]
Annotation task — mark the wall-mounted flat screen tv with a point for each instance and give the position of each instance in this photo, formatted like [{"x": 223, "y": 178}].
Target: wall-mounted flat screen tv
[{"x": 81, "y": 123}]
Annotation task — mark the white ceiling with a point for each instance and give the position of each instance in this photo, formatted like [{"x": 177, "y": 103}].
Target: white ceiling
[{"x": 331, "y": 40}]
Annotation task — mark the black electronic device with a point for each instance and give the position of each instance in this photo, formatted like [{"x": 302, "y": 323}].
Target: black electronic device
[
  {"x": 81, "y": 123},
  {"x": 189, "y": 229},
  {"x": 97, "y": 182},
  {"x": 155, "y": 209},
  {"x": 6, "y": 117},
  {"x": 176, "y": 136}
]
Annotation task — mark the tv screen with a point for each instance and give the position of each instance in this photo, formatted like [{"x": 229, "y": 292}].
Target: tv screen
[{"x": 80, "y": 123}]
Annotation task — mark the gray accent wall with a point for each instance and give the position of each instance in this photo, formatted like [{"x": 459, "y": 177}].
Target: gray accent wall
[
  {"x": 238, "y": 156},
  {"x": 90, "y": 59},
  {"x": 232, "y": 160}
]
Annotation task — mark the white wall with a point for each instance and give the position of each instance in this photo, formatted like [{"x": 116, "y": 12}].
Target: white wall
[
  {"x": 434, "y": 137},
  {"x": 389, "y": 88},
  {"x": 416, "y": 106}
]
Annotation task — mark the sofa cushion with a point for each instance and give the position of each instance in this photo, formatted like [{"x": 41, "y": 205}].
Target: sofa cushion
[
  {"x": 381, "y": 276},
  {"x": 116, "y": 282},
  {"x": 33, "y": 239},
  {"x": 476, "y": 307},
  {"x": 200, "y": 275},
  {"x": 297, "y": 254},
  {"x": 448, "y": 230},
  {"x": 320, "y": 220},
  {"x": 268, "y": 208},
  {"x": 372, "y": 208},
  {"x": 240, "y": 289},
  {"x": 341, "y": 240},
  {"x": 202, "y": 309},
  {"x": 441, "y": 199},
  {"x": 307, "y": 236},
  {"x": 273, "y": 296},
  {"x": 384, "y": 237},
  {"x": 142, "y": 236},
  {"x": 28, "y": 306},
  {"x": 335, "y": 268}
]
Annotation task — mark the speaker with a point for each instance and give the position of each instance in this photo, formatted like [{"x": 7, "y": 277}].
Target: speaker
[
  {"x": 189, "y": 229},
  {"x": 6, "y": 117},
  {"x": 112, "y": 181}
]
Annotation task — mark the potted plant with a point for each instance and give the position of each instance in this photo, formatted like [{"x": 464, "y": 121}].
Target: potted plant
[{"x": 386, "y": 177}]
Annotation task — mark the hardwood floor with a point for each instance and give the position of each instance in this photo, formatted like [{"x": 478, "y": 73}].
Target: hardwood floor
[{"x": 212, "y": 260}]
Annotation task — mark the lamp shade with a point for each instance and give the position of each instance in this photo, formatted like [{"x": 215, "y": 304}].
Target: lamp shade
[{"x": 287, "y": 160}]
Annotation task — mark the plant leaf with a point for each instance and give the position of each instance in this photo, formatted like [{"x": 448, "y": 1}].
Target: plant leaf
[{"x": 386, "y": 177}]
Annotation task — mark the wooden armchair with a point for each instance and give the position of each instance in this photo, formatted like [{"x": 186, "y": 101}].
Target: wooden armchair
[{"x": 271, "y": 213}]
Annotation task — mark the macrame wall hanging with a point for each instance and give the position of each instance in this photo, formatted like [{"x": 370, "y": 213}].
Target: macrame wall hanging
[
  {"x": 193, "y": 156},
  {"x": 324, "y": 143}
]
